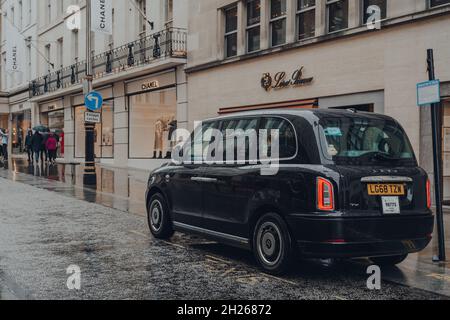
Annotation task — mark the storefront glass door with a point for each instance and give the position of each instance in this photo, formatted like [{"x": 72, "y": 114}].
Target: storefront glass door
[{"x": 21, "y": 123}]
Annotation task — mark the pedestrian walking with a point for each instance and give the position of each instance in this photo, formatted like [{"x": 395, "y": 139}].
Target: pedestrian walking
[
  {"x": 29, "y": 146},
  {"x": 44, "y": 150},
  {"x": 36, "y": 145},
  {"x": 4, "y": 135},
  {"x": 51, "y": 145}
]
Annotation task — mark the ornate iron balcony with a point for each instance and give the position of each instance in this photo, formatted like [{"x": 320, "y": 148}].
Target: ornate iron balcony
[{"x": 165, "y": 44}]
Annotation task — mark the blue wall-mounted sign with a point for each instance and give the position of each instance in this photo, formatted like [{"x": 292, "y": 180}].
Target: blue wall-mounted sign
[{"x": 93, "y": 101}]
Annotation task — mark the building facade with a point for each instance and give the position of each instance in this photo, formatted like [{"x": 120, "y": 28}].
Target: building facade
[
  {"x": 260, "y": 54},
  {"x": 139, "y": 70}
]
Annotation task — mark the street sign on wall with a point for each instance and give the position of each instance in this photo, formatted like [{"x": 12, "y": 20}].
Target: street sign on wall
[
  {"x": 92, "y": 117},
  {"x": 428, "y": 92},
  {"x": 93, "y": 101}
]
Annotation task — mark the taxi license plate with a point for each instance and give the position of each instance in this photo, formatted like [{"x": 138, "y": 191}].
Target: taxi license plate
[{"x": 386, "y": 189}]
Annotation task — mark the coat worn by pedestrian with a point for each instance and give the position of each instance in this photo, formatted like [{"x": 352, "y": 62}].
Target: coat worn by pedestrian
[
  {"x": 36, "y": 142},
  {"x": 51, "y": 144}
]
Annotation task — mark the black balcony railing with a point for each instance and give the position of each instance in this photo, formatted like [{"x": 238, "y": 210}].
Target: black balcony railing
[{"x": 164, "y": 44}]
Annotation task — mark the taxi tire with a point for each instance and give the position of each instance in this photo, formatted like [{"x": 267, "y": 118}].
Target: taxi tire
[{"x": 164, "y": 229}]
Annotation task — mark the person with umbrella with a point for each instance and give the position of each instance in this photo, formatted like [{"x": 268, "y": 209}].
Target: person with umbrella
[
  {"x": 36, "y": 145},
  {"x": 43, "y": 132}
]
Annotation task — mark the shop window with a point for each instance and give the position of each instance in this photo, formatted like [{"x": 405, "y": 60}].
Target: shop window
[
  {"x": 103, "y": 133},
  {"x": 381, "y": 4},
  {"x": 21, "y": 123},
  {"x": 306, "y": 18},
  {"x": 152, "y": 117},
  {"x": 253, "y": 25},
  {"x": 435, "y": 3},
  {"x": 4, "y": 121},
  {"x": 337, "y": 15},
  {"x": 231, "y": 24},
  {"x": 278, "y": 22}
]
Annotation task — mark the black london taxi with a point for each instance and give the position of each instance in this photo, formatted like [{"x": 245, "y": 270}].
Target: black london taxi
[{"x": 346, "y": 184}]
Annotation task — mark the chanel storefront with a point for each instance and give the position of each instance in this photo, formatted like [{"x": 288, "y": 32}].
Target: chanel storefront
[
  {"x": 152, "y": 117},
  {"x": 138, "y": 118},
  {"x": 104, "y": 131}
]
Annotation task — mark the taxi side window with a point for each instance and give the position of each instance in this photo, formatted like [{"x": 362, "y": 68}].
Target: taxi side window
[
  {"x": 285, "y": 132},
  {"x": 240, "y": 138}
]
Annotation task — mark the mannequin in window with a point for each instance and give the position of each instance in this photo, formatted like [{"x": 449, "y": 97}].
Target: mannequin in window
[{"x": 162, "y": 126}]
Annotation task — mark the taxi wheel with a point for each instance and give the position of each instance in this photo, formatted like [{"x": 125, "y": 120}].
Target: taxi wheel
[
  {"x": 390, "y": 260},
  {"x": 158, "y": 217},
  {"x": 272, "y": 244}
]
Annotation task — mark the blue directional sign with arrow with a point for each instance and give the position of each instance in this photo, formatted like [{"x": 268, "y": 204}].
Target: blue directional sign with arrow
[{"x": 93, "y": 101}]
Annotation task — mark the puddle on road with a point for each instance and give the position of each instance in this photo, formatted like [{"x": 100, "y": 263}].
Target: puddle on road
[{"x": 122, "y": 189}]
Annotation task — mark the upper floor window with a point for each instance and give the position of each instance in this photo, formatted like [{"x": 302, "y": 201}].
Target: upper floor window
[
  {"x": 142, "y": 5},
  {"x": 253, "y": 25},
  {"x": 306, "y": 18},
  {"x": 169, "y": 13},
  {"x": 378, "y": 4},
  {"x": 435, "y": 3},
  {"x": 231, "y": 24},
  {"x": 337, "y": 11},
  {"x": 278, "y": 22}
]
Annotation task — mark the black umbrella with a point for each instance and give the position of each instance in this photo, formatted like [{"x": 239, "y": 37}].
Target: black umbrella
[{"x": 41, "y": 128}]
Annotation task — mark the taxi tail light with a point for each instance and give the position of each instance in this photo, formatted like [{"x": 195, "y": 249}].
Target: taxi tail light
[
  {"x": 325, "y": 195},
  {"x": 428, "y": 194}
]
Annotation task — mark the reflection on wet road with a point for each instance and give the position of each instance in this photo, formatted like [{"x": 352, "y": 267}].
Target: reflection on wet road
[
  {"x": 121, "y": 189},
  {"x": 42, "y": 233}
]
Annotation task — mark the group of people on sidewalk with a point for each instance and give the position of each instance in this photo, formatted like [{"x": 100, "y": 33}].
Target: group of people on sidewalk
[
  {"x": 43, "y": 146},
  {"x": 39, "y": 145}
]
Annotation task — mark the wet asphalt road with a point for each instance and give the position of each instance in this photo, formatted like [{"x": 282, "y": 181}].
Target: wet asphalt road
[{"x": 42, "y": 233}]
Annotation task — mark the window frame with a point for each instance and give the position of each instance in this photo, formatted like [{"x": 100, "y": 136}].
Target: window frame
[
  {"x": 328, "y": 3},
  {"x": 129, "y": 111},
  {"x": 230, "y": 33},
  {"x": 429, "y": 6},
  {"x": 272, "y": 21},
  {"x": 298, "y": 13},
  {"x": 251, "y": 27},
  {"x": 289, "y": 122}
]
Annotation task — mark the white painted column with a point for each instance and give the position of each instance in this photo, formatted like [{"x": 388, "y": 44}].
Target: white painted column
[
  {"x": 182, "y": 98},
  {"x": 291, "y": 8},
  {"x": 321, "y": 14},
  {"x": 265, "y": 29},
  {"x": 120, "y": 125}
]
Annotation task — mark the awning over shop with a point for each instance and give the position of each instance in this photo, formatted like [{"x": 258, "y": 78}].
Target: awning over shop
[{"x": 296, "y": 104}]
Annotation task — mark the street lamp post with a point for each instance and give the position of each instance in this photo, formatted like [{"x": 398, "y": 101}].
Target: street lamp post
[{"x": 90, "y": 176}]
